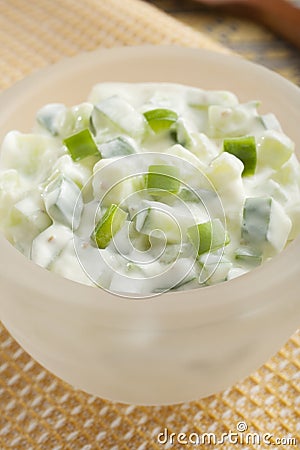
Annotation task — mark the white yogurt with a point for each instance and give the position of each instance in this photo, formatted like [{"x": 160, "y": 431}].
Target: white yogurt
[{"x": 224, "y": 173}]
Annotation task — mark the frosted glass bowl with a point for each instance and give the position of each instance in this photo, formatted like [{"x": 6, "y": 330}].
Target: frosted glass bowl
[{"x": 172, "y": 348}]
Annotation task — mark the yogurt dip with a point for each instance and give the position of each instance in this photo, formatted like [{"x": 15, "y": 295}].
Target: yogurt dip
[{"x": 150, "y": 187}]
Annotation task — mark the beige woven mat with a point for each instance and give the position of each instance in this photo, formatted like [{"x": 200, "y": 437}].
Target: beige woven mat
[{"x": 38, "y": 411}]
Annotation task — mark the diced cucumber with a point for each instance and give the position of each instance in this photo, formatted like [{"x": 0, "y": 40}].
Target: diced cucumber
[
  {"x": 140, "y": 218},
  {"x": 266, "y": 226},
  {"x": 275, "y": 190},
  {"x": 32, "y": 155},
  {"x": 11, "y": 191},
  {"x": 202, "y": 203},
  {"x": 181, "y": 152},
  {"x": 204, "y": 148},
  {"x": 293, "y": 211},
  {"x": 52, "y": 117},
  {"x": 27, "y": 219},
  {"x": 129, "y": 241},
  {"x": 81, "y": 115},
  {"x": 70, "y": 265},
  {"x": 199, "y": 98},
  {"x": 225, "y": 175},
  {"x": 115, "y": 180},
  {"x": 243, "y": 148},
  {"x": 289, "y": 175},
  {"x": 118, "y": 113},
  {"x": 81, "y": 145},
  {"x": 30, "y": 211},
  {"x": 174, "y": 251},
  {"x": 189, "y": 282},
  {"x": 176, "y": 275},
  {"x": 161, "y": 225},
  {"x": 199, "y": 144},
  {"x": 274, "y": 150},
  {"x": 63, "y": 202},
  {"x": 61, "y": 121},
  {"x": 270, "y": 122},
  {"x": 224, "y": 170},
  {"x": 123, "y": 242},
  {"x": 119, "y": 146},
  {"x": 208, "y": 236},
  {"x": 190, "y": 195},
  {"x": 215, "y": 273},
  {"x": 91, "y": 214},
  {"x": 68, "y": 168},
  {"x": 232, "y": 122},
  {"x": 163, "y": 178},
  {"x": 154, "y": 278},
  {"x": 248, "y": 256},
  {"x": 236, "y": 272},
  {"x": 162, "y": 221},
  {"x": 160, "y": 119},
  {"x": 256, "y": 218},
  {"x": 183, "y": 133},
  {"x": 203, "y": 196},
  {"x": 110, "y": 223},
  {"x": 48, "y": 245}
]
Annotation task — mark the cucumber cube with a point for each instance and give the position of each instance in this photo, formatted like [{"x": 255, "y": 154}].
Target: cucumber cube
[
  {"x": 157, "y": 223},
  {"x": 28, "y": 211},
  {"x": 111, "y": 222},
  {"x": 274, "y": 150},
  {"x": 208, "y": 236},
  {"x": 49, "y": 244},
  {"x": 115, "y": 113},
  {"x": 160, "y": 119},
  {"x": 235, "y": 121},
  {"x": 248, "y": 256},
  {"x": 163, "y": 178},
  {"x": 265, "y": 226},
  {"x": 81, "y": 145},
  {"x": 63, "y": 202},
  {"x": 183, "y": 133},
  {"x": 270, "y": 122},
  {"x": 243, "y": 148},
  {"x": 161, "y": 221},
  {"x": 51, "y": 117},
  {"x": 215, "y": 273},
  {"x": 27, "y": 220},
  {"x": 31, "y": 155},
  {"x": 256, "y": 218},
  {"x": 116, "y": 147}
]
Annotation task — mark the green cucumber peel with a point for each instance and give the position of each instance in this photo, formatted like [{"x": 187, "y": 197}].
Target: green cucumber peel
[
  {"x": 248, "y": 255},
  {"x": 208, "y": 236},
  {"x": 81, "y": 145},
  {"x": 110, "y": 223},
  {"x": 163, "y": 178},
  {"x": 244, "y": 148},
  {"x": 256, "y": 218},
  {"x": 160, "y": 119}
]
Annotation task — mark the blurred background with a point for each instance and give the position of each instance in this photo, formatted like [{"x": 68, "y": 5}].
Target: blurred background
[{"x": 239, "y": 33}]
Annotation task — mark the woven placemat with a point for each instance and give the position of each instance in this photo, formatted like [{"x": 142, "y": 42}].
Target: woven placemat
[{"x": 37, "y": 410}]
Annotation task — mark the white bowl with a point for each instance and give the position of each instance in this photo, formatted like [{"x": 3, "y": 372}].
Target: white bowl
[{"x": 171, "y": 348}]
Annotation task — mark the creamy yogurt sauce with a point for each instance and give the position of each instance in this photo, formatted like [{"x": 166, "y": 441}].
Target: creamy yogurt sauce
[{"x": 150, "y": 187}]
